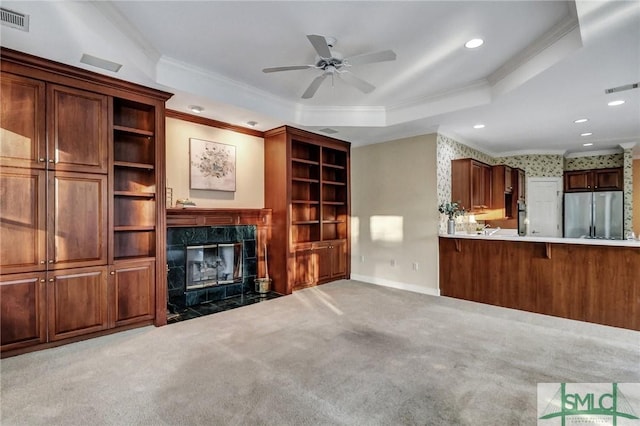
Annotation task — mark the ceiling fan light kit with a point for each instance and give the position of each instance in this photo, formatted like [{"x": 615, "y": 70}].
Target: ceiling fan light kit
[{"x": 334, "y": 64}]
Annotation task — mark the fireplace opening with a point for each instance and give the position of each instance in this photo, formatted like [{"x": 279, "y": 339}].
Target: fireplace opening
[{"x": 213, "y": 264}]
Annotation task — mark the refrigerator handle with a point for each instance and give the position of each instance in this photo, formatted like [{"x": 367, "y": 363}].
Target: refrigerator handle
[{"x": 593, "y": 215}]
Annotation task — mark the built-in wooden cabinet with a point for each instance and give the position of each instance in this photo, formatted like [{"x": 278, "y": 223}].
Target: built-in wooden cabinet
[
  {"x": 593, "y": 180},
  {"x": 319, "y": 262},
  {"x": 132, "y": 286},
  {"x": 23, "y": 310},
  {"x": 76, "y": 302},
  {"x": 471, "y": 184},
  {"x": 307, "y": 188},
  {"x": 82, "y": 212}
]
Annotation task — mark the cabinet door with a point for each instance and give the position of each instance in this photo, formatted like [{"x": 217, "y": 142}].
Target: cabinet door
[
  {"x": 339, "y": 259},
  {"x": 77, "y": 221},
  {"x": 132, "y": 289},
  {"x": 577, "y": 181},
  {"x": 323, "y": 258},
  {"x": 23, "y": 318},
  {"x": 607, "y": 179},
  {"x": 22, "y": 121},
  {"x": 305, "y": 273},
  {"x": 77, "y": 302},
  {"x": 22, "y": 220},
  {"x": 77, "y": 130}
]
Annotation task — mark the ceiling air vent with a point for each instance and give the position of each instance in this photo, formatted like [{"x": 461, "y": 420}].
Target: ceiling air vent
[
  {"x": 328, "y": 131},
  {"x": 14, "y": 19},
  {"x": 622, "y": 88}
]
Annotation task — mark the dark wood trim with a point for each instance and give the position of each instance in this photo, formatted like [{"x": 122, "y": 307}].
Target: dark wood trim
[
  {"x": 170, "y": 113},
  {"x": 15, "y": 62},
  {"x": 177, "y": 217},
  {"x": 310, "y": 137}
]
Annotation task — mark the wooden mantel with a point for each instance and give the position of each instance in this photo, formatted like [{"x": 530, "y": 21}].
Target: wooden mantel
[{"x": 197, "y": 216}]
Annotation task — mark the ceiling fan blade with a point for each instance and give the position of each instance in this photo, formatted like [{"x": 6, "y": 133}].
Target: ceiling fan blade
[
  {"x": 291, "y": 68},
  {"x": 356, "y": 82},
  {"x": 313, "y": 87},
  {"x": 320, "y": 44},
  {"x": 368, "y": 58}
]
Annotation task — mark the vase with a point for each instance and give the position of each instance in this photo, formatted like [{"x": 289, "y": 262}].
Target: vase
[{"x": 451, "y": 226}]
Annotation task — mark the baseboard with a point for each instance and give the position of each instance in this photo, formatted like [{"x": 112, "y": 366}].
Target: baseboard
[{"x": 396, "y": 284}]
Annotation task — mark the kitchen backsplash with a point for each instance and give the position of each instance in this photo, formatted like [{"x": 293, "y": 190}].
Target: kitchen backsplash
[{"x": 627, "y": 169}]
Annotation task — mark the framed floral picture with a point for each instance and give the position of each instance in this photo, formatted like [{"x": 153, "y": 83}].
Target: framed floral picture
[{"x": 212, "y": 165}]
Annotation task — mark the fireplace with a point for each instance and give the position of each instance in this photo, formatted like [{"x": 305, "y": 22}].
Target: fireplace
[{"x": 213, "y": 264}]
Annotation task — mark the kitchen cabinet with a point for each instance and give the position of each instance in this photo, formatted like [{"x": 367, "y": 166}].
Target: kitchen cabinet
[
  {"x": 501, "y": 192},
  {"x": 593, "y": 180},
  {"x": 82, "y": 186},
  {"x": 307, "y": 188},
  {"x": 471, "y": 184},
  {"x": 520, "y": 190}
]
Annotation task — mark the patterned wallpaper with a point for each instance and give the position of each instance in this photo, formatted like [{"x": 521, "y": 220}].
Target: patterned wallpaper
[
  {"x": 594, "y": 162},
  {"x": 538, "y": 165},
  {"x": 627, "y": 169}
]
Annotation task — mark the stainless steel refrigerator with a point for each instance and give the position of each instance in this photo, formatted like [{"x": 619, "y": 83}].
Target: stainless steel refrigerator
[{"x": 593, "y": 215}]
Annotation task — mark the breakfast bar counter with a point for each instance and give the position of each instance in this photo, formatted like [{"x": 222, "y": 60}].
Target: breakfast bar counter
[{"x": 587, "y": 280}]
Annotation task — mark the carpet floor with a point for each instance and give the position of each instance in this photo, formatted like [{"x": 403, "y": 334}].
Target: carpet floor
[{"x": 345, "y": 353}]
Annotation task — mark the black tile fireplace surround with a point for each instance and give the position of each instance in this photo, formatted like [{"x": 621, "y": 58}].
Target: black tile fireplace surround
[{"x": 179, "y": 238}]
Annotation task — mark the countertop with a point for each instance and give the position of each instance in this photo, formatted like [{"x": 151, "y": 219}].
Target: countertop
[{"x": 555, "y": 240}]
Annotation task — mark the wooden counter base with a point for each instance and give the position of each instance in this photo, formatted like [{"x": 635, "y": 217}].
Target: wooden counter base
[{"x": 599, "y": 284}]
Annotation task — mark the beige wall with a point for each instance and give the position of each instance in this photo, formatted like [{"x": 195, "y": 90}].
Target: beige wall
[
  {"x": 395, "y": 214},
  {"x": 249, "y": 166},
  {"x": 636, "y": 196}
]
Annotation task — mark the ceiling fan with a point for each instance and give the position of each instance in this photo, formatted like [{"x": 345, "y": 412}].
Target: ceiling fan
[{"x": 333, "y": 64}]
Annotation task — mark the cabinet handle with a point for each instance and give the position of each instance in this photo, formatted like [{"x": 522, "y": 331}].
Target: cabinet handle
[
  {"x": 42, "y": 280},
  {"x": 42, "y": 262},
  {"x": 51, "y": 261},
  {"x": 51, "y": 161},
  {"x": 50, "y": 280},
  {"x": 42, "y": 160},
  {"x": 112, "y": 273}
]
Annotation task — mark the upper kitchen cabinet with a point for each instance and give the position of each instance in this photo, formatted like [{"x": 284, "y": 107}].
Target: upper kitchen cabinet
[
  {"x": 593, "y": 180},
  {"x": 471, "y": 184},
  {"x": 502, "y": 191}
]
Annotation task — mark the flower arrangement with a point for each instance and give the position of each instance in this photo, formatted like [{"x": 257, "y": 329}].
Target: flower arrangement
[{"x": 452, "y": 210}]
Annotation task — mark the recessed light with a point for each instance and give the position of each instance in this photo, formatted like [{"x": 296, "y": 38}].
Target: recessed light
[
  {"x": 252, "y": 123},
  {"x": 479, "y": 126},
  {"x": 581, "y": 120},
  {"x": 586, "y": 134},
  {"x": 473, "y": 43},
  {"x": 195, "y": 108},
  {"x": 615, "y": 103},
  {"x": 587, "y": 144}
]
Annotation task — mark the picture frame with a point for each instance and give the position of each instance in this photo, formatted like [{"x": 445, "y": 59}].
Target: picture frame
[{"x": 212, "y": 165}]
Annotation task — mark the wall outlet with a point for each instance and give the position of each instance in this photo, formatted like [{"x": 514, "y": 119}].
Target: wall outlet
[
  {"x": 361, "y": 259},
  {"x": 415, "y": 266},
  {"x": 393, "y": 263}
]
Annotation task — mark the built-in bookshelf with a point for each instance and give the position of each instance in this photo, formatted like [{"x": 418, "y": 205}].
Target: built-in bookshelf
[
  {"x": 307, "y": 186},
  {"x": 134, "y": 180}
]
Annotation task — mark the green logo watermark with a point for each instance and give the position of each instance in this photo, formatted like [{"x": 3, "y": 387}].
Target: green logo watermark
[{"x": 588, "y": 403}]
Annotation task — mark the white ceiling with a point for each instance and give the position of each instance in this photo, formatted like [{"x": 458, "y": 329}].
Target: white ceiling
[{"x": 543, "y": 65}]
